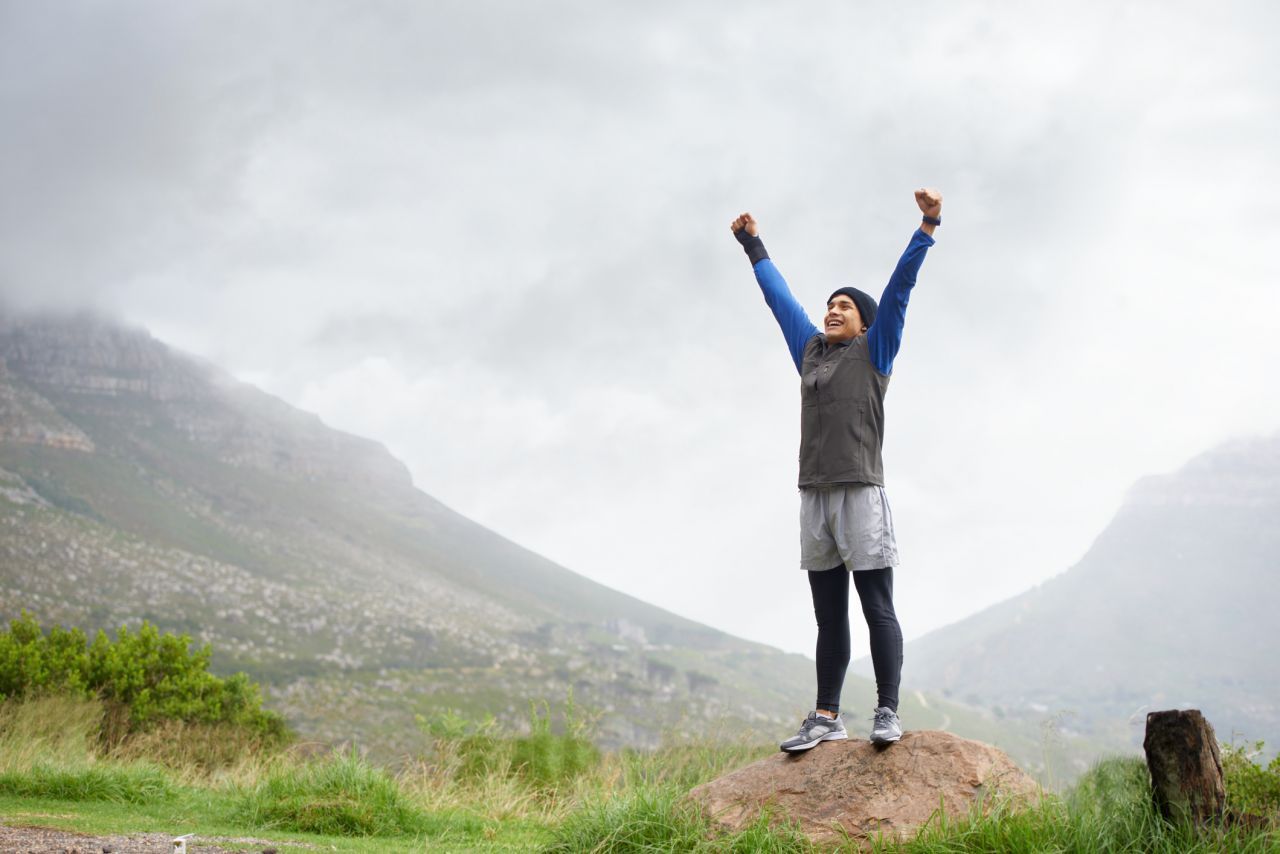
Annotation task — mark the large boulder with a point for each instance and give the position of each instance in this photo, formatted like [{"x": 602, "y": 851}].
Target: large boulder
[{"x": 852, "y": 787}]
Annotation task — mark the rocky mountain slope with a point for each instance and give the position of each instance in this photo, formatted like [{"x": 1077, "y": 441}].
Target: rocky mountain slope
[
  {"x": 139, "y": 483},
  {"x": 1175, "y": 605}
]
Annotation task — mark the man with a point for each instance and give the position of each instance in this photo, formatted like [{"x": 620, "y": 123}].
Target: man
[{"x": 846, "y": 526}]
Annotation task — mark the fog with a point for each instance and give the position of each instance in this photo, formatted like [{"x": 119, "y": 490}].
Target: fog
[{"x": 494, "y": 237}]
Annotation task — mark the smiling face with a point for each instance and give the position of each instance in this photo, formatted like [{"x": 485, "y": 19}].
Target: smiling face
[{"x": 843, "y": 321}]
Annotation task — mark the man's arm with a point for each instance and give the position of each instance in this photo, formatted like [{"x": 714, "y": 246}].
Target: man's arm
[
  {"x": 884, "y": 338},
  {"x": 796, "y": 326}
]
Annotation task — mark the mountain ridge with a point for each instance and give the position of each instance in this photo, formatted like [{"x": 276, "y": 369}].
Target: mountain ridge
[{"x": 1169, "y": 607}]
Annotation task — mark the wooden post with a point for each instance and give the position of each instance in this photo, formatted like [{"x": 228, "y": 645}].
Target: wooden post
[{"x": 1186, "y": 769}]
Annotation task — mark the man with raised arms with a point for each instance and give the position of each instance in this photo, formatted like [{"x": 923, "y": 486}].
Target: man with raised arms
[{"x": 846, "y": 527}]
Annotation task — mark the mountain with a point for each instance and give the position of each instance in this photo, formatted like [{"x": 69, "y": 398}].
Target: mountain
[
  {"x": 140, "y": 483},
  {"x": 1174, "y": 605}
]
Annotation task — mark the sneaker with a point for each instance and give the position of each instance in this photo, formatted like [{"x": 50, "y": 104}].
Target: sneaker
[
  {"x": 886, "y": 728},
  {"x": 815, "y": 728}
]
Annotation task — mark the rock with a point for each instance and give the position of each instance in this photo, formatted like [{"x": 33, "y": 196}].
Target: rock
[{"x": 853, "y": 787}]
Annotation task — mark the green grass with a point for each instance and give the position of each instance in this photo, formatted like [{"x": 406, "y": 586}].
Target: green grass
[
  {"x": 338, "y": 796},
  {"x": 53, "y": 772},
  {"x": 659, "y": 819},
  {"x": 210, "y": 815},
  {"x": 132, "y": 784},
  {"x": 1109, "y": 810}
]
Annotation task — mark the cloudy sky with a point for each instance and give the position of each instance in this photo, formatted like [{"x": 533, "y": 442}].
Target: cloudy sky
[{"x": 494, "y": 237}]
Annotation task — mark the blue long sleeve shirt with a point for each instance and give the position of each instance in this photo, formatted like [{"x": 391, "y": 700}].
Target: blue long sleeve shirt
[{"x": 884, "y": 337}]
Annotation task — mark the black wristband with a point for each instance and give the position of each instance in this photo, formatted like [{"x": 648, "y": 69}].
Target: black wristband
[
  {"x": 754, "y": 246},
  {"x": 933, "y": 220}
]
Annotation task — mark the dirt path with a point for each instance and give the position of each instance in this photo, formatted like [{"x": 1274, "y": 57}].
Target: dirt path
[{"x": 44, "y": 840}]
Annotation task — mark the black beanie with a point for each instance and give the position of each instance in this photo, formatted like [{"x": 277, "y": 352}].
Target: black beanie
[{"x": 866, "y": 305}]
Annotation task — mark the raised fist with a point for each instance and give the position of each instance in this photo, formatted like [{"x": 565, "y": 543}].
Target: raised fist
[
  {"x": 930, "y": 201},
  {"x": 746, "y": 221}
]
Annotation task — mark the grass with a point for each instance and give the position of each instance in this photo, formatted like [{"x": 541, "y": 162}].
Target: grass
[
  {"x": 1110, "y": 809},
  {"x": 472, "y": 789},
  {"x": 658, "y": 818},
  {"x": 338, "y": 796},
  {"x": 47, "y": 750},
  {"x": 132, "y": 784}
]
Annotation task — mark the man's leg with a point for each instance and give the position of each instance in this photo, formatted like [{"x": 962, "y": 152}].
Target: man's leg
[
  {"x": 830, "y": 590},
  {"x": 875, "y": 591}
]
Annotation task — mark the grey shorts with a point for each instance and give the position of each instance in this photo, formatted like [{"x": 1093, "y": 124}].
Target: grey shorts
[{"x": 849, "y": 525}]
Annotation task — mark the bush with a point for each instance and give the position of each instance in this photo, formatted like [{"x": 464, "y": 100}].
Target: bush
[
  {"x": 1251, "y": 788},
  {"x": 149, "y": 676},
  {"x": 33, "y": 662}
]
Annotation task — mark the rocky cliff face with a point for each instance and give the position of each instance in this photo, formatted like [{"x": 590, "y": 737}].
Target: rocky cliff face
[
  {"x": 86, "y": 356},
  {"x": 85, "y": 367},
  {"x": 28, "y": 418}
]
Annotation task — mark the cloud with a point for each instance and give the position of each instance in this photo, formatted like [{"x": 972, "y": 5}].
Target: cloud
[{"x": 494, "y": 238}]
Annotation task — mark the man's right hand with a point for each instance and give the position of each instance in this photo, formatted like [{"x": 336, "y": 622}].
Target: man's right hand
[{"x": 745, "y": 221}]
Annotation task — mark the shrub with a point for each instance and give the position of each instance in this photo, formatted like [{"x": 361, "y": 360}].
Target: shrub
[
  {"x": 149, "y": 676},
  {"x": 33, "y": 662},
  {"x": 1251, "y": 788}
]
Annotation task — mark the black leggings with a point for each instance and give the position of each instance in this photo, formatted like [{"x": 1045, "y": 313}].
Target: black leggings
[{"x": 831, "y": 607}]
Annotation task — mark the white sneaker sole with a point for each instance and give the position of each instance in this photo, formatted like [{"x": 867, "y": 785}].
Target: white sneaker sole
[
  {"x": 886, "y": 740},
  {"x": 831, "y": 736}
]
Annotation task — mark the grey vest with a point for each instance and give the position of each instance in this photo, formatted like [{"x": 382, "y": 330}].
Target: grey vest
[{"x": 841, "y": 414}]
